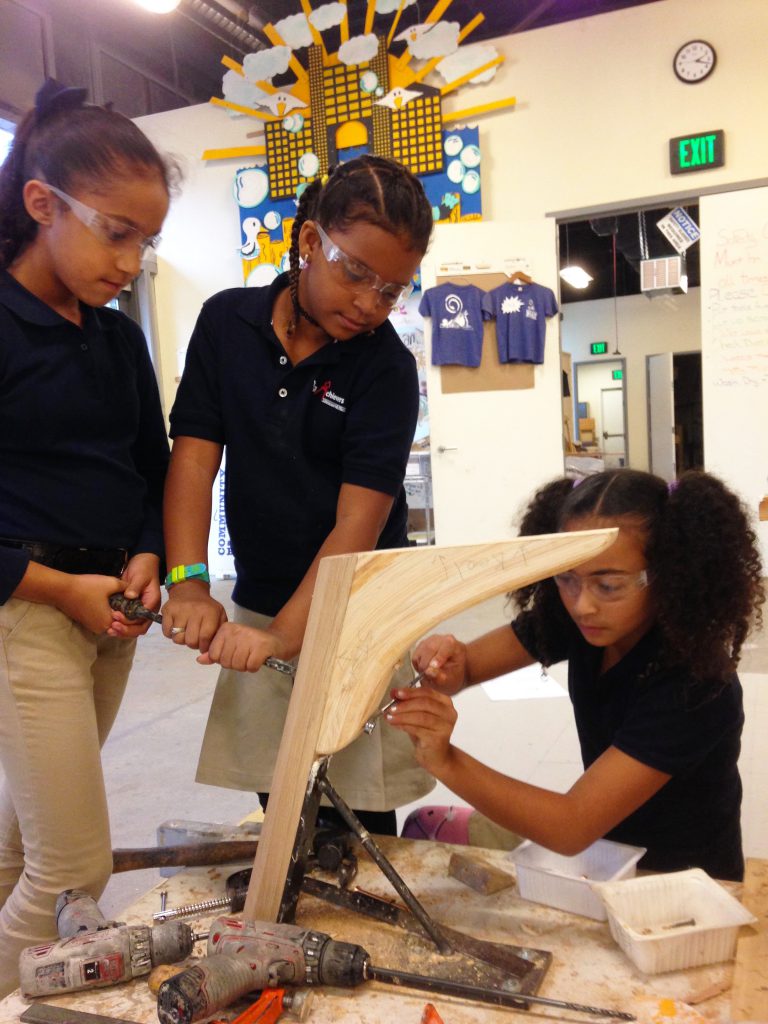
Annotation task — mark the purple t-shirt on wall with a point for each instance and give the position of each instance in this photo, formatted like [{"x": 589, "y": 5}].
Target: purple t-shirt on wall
[
  {"x": 520, "y": 311},
  {"x": 457, "y": 323}
]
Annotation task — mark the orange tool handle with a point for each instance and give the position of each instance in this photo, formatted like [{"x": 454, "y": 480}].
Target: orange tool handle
[{"x": 430, "y": 1015}]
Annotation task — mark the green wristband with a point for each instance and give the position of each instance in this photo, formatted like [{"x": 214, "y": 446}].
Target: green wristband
[{"x": 180, "y": 573}]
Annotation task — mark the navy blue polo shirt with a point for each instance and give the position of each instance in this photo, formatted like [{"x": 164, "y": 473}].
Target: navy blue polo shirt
[
  {"x": 294, "y": 434},
  {"x": 83, "y": 447},
  {"x": 662, "y": 718}
]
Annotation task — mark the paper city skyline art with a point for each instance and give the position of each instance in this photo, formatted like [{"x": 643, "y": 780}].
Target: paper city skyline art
[{"x": 318, "y": 107}]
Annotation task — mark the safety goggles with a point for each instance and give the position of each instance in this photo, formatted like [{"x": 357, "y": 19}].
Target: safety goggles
[
  {"x": 605, "y": 587},
  {"x": 111, "y": 232},
  {"x": 356, "y": 276}
]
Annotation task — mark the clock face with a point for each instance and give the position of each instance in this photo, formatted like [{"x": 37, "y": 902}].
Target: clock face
[{"x": 694, "y": 61}]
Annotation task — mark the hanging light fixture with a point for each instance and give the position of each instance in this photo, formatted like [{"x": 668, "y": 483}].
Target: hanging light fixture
[
  {"x": 158, "y": 6},
  {"x": 575, "y": 276}
]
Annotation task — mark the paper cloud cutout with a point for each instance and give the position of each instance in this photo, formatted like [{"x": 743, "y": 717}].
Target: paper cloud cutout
[
  {"x": 240, "y": 91},
  {"x": 465, "y": 59},
  {"x": 294, "y": 31},
  {"x": 264, "y": 65},
  {"x": 359, "y": 49},
  {"x": 388, "y": 6},
  {"x": 328, "y": 16}
]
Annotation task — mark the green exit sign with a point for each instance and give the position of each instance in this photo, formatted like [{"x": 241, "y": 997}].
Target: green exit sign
[
  {"x": 617, "y": 374},
  {"x": 598, "y": 348},
  {"x": 696, "y": 152}
]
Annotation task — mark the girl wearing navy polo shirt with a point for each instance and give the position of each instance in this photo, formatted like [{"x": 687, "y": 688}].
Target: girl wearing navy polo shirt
[
  {"x": 83, "y": 454},
  {"x": 309, "y": 388},
  {"x": 652, "y": 629}
]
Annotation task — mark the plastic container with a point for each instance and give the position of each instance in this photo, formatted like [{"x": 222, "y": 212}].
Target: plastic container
[
  {"x": 674, "y": 921},
  {"x": 564, "y": 882}
]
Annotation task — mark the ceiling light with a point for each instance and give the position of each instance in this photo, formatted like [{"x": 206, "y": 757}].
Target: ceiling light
[
  {"x": 576, "y": 277},
  {"x": 159, "y": 6}
]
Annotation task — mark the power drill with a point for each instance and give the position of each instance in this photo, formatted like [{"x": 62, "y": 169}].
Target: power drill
[
  {"x": 257, "y": 955},
  {"x": 93, "y": 952}
]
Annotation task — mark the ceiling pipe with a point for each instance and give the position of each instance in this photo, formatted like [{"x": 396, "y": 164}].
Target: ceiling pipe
[{"x": 228, "y": 21}]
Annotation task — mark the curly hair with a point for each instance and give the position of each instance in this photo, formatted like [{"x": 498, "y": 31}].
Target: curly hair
[
  {"x": 702, "y": 553},
  {"x": 66, "y": 147},
  {"x": 373, "y": 189}
]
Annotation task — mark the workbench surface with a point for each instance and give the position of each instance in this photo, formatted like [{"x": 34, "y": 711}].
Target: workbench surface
[{"x": 587, "y": 966}]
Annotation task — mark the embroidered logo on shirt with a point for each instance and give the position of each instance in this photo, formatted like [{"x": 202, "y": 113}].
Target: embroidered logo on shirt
[
  {"x": 328, "y": 396},
  {"x": 459, "y": 316}
]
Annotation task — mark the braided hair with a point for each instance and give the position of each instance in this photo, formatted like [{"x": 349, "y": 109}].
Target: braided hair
[
  {"x": 369, "y": 188},
  {"x": 66, "y": 142},
  {"x": 702, "y": 553}
]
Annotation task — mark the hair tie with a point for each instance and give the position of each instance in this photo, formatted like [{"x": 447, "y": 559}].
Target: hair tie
[
  {"x": 324, "y": 180},
  {"x": 53, "y": 97},
  {"x": 672, "y": 486}
]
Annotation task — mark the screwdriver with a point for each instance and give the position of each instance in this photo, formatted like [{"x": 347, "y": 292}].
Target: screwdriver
[
  {"x": 370, "y": 725},
  {"x": 132, "y": 608}
]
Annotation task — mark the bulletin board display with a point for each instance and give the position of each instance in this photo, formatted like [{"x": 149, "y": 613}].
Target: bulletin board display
[{"x": 491, "y": 374}]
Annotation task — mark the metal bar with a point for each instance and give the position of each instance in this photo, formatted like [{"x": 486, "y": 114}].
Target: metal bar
[
  {"x": 483, "y": 994},
  {"x": 418, "y": 911}
]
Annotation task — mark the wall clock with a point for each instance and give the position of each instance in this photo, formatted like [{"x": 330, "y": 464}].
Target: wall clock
[{"x": 694, "y": 61}]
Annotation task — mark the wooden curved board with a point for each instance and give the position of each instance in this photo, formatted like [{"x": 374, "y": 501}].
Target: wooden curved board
[
  {"x": 398, "y": 596},
  {"x": 366, "y": 610}
]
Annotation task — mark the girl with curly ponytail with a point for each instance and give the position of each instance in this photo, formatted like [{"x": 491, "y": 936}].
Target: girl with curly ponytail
[
  {"x": 83, "y": 454},
  {"x": 652, "y": 630},
  {"x": 308, "y": 387}
]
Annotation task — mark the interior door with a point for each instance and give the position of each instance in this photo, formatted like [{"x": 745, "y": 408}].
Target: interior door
[
  {"x": 614, "y": 435},
  {"x": 661, "y": 416},
  {"x": 492, "y": 448}
]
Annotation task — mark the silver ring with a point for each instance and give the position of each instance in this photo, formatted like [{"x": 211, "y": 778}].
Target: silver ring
[{"x": 175, "y": 630}]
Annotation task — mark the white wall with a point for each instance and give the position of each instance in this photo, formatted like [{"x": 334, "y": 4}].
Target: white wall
[
  {"x": 597, "y": 102},
  {"x": 670, "y": 323}
]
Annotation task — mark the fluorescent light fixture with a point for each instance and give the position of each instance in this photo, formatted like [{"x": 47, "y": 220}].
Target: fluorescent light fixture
[
  {"x": 576, "y": 277},
  {"x": 159, "y": 6}
]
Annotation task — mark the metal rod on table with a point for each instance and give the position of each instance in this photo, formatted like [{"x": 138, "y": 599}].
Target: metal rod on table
[{"x": 426, "y": 922}]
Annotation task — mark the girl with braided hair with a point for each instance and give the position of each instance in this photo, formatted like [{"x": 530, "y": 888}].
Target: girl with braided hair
[
  {"x": 315, "y": 398},
  {"x": 83, "y": 455},
  {"x": 652, "y": 629}
]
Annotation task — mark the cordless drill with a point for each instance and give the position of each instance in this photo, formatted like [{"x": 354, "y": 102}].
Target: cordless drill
[
  {"x": 92, "y": 952},
  {"x": 256, "y": 955}
]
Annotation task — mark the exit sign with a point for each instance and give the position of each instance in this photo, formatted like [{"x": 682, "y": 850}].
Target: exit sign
[
  {"x": 617, "y": 374},
  {"x": 598, "y": 348},
  {"x": 696, "y": 152}
]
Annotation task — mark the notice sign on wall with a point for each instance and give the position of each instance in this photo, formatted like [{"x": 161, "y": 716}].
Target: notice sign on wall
[{"x": 696, "y": 152}]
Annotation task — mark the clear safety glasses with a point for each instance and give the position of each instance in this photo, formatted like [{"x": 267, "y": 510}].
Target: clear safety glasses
[
  {"x": 356, "y": 276},
  {"x": 605, "y": 587},
  {"x": 108, "y": 230}
]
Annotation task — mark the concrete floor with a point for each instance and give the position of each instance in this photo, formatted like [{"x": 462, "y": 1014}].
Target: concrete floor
[{"x": 151, "y": 755}]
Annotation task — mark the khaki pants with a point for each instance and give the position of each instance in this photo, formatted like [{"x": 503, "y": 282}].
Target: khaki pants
[{"x": 60, "y": 689}]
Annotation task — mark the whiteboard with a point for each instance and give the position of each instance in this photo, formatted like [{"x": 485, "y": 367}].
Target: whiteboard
[{"x": 734, "y": 342}]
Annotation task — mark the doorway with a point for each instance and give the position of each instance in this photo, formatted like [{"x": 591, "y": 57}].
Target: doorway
[{"x": 601, "y": 412}]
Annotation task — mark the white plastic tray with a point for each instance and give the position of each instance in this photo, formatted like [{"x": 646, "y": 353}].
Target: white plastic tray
[
  {"x": 564, "y": 882},
  {"x": 670, "y": 922}
]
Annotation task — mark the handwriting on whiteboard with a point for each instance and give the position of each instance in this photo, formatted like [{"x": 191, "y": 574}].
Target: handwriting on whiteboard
[{"x": 737, "y": 304}]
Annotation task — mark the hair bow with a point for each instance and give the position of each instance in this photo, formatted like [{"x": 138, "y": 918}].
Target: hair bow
[{"x": 52, "y": 98}]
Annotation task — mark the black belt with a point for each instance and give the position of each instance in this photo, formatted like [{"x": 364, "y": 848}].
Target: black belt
[{"x": 78, "y": 561}]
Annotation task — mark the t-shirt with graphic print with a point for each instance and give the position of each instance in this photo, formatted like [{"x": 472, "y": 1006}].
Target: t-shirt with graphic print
[
  {"x": 457, "y": 323},
  {"x": 520, "y": 311}
]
